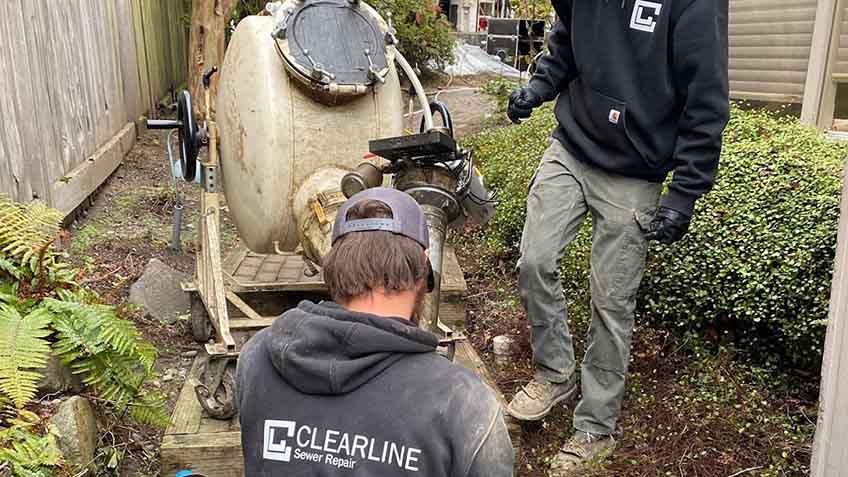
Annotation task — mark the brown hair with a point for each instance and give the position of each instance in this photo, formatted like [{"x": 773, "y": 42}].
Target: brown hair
[{"x": 361, "y": 262}]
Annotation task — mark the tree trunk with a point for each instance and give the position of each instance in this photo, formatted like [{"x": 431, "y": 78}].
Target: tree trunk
[{"x": 209, "y": 19}]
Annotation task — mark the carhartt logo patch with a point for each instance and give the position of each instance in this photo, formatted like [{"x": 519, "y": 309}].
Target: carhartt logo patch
[
  {"x": 614, "y": 116},
  {"x": 644, "y": 15}
]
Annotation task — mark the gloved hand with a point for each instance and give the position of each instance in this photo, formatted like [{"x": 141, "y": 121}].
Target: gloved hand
[
  {"x": 668, "y": 226},
  {"x": 522, "y": 101}
]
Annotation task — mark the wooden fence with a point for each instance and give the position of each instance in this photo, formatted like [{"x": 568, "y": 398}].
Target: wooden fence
[{"x": 75, "y": 76}]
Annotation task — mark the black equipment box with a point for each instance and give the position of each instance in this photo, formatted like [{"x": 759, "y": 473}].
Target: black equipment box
[{"x": 513, "y": 40}]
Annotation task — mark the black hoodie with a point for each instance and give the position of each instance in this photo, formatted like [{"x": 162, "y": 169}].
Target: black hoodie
[
  {"x": 645, "y": 88},
  {"x": 328, "y": 392}
]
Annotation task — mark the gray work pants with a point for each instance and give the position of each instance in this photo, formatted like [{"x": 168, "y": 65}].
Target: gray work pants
[{"x": 562, "y": 192}]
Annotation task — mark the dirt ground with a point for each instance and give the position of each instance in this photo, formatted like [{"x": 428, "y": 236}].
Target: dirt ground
[{"x": 684, "y": 414}]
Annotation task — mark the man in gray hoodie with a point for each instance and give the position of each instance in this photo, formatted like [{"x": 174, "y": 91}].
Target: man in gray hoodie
[{"x": 353, "y": 387}]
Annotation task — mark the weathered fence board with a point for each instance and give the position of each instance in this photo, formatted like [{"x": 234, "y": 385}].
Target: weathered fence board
[{"x": 76, "y": 75}]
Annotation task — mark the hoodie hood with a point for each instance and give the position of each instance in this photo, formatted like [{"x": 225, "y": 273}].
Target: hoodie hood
[{"x": 325, "y": 349}]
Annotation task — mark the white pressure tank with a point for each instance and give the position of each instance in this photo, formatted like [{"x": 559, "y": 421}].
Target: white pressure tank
[{"x": 302, "y": 92}]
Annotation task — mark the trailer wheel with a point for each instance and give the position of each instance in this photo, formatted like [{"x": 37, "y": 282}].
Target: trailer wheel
[{"x": 201, "y": 327}]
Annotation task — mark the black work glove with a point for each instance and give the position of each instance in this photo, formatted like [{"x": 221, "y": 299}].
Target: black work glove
[
  {"x": 668, "y": 226},
  {"x": 522, "y": 101}
]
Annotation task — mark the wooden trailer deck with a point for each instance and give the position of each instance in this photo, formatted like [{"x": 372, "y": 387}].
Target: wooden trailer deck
[
  {"x": 212, "y": 447},
  {"x": 259, "y": 280}
]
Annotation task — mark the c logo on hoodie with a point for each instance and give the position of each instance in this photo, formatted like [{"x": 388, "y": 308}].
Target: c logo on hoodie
[
  {"x": 642, "y": 21},
  {"x": 275, "y": 446}
]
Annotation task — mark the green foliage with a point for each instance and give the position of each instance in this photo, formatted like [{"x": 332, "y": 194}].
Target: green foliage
[
  {"x": 108, "y": 352},
  {"x": 23, "y": 351},
  {"x": 83, "y": 239},
  {"x": 534, "y": 9},
  {"x": 423, "y": 31},
  {"x": 27, "y": 452},
  {"x": 43, "y": 309},
  {"x": 508, "y": 157},
  {"x": 26, "y": 234},
  {"x": 500, "y": 88},
  {"x": 757, "y": 263},
  {"x": 758, "y": 260}
]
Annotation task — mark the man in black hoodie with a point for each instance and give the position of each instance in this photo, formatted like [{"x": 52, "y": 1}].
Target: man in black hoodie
[
  {"x": 353, "y": 387},
  {"x": 642, "y": 91}
]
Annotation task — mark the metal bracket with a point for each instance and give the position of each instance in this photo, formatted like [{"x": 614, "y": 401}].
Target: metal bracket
[
  {"x": 318, "y": 72},
  {"x": 447, "y": 345},
  {"x": 209, "y": 177},
  {"x": 373, "y": 74}
]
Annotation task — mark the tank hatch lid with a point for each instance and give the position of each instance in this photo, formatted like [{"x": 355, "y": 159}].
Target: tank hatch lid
[{"x": 336, "y": 41}]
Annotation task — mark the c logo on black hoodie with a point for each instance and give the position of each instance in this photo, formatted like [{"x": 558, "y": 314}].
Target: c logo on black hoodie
[{"x": 642, "y": 22}]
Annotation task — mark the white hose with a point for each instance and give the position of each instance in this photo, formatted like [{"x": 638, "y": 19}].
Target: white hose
[{"x": 419, "y": 90}]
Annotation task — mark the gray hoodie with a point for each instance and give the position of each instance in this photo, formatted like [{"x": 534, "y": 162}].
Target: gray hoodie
[{"x": 328, "y": 392}]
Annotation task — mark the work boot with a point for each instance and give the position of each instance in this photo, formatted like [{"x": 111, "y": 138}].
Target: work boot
[
  {"x": 581, "y": 452},
  {"x": 538, "y": 397}
]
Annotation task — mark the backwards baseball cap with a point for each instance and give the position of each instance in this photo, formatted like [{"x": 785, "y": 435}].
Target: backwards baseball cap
[{"x": 407, "y": 219}]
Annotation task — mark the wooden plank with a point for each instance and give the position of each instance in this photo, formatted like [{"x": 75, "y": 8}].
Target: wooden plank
[
  {"x": 453, "y": 280},
  {"x": 766, "y": 97},
  {"x": 217, "y": 454},
  {"x": 129, "y": 61},
  {"x": 14, "y": 180},
  {"x": 187, "y": 411},
  {"x": 243, "y": 324},
  {"x": 72, "y": 189},
  {"x": 141, "y": 55},
  {"x": 830, "y": 448},
  {"x": 43, "y": 147},
  {"x": 242, "y": 306},
  {"x": 468, "y": 357}
]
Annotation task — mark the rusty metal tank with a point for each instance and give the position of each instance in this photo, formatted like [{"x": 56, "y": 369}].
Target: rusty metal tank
[{"x": 301, "y": 93}]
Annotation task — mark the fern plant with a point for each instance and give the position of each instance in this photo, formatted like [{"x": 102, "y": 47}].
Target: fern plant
[
  {"x": 27, "y": 232},
  {"x": 108, "y": 352},
  {"x": 43, "y": 308},
  {"x": 23, "y": 349},
  {"x": 27, "y": 452}
]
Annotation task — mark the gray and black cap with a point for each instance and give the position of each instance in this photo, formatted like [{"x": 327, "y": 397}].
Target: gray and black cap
[{"x": 407, "y": 219}]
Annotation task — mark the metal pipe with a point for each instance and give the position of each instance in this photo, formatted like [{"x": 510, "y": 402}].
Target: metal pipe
[
  {"x": 177, "y": 226},
  {"x": 437, "y": 222},
  {"x": 419, "y": 89}
]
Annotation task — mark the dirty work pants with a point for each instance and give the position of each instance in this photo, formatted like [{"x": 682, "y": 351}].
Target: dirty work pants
[{"x": 562, "y": 192}]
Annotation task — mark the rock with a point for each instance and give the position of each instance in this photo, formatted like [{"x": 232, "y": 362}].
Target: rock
[
  {"x": 170, "y": 375},
  {"x": 190, "y": 354},
  {"x": 58, "y": 377},
  {"x": 76, "y": 431},
  {"x": 158, "y": 291}
]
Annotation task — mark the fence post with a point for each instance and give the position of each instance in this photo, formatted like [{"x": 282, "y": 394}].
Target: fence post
[
  {"x": 830, "y": 449},
  {"x": 820, "y": 89}
]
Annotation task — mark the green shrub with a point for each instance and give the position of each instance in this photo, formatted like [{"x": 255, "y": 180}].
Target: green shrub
[
  {"x": 423, "y": 31},
  {"x": 758, "y": 260}
]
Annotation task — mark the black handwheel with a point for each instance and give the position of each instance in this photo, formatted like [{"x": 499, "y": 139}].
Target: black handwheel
[
  {"x": 442, "y": 109},
  {"x": 201, "y": 327},
  {"x": 189, "y": 138}
]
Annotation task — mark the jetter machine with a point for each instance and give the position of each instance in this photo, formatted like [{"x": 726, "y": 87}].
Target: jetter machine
[{"x": 305, "y": 93}]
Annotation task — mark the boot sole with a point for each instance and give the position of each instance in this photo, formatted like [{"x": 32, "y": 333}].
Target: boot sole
[{"x": 535, "y": 417}]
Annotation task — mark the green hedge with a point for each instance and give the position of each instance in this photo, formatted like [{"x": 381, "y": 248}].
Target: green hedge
[{"x": 757, "y": 263}]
